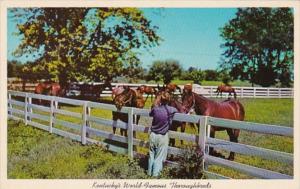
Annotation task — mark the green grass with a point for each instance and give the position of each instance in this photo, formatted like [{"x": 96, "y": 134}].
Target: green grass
[
  {"x": 33, "y": 153},
  {"x": 269, "y": 111}
]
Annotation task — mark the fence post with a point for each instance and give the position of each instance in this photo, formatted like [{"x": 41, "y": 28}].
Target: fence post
[
  {"x": 84, "y": 121},
  {"x": 268, "y": 92},
  {"x": 211, "y": 91},
  {"x": 242, "y": 92},
  {"x": 279, "y": 92},
  {"x": 88, "y": 124},
  {"x": 26, "y": 108},
  {"x": 130, "y": 132},
  {"x": 254, "y": 92},
  {"x": 9, "y": 104},
  {"x": 202, "y": 138},
  {"x": 29, "y": 108},
  {"x": 51, "y": 115}
]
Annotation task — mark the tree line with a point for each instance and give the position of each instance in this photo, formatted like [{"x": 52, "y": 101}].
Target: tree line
[
  {"x": 100, "y": 44},
  {"x": 164, "y": 71}
]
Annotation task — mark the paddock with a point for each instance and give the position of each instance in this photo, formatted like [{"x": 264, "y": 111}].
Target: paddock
[{"x": 83, "y": 129}]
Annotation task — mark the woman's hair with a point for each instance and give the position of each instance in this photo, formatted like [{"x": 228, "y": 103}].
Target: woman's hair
[{"x": 165, "y": 98}]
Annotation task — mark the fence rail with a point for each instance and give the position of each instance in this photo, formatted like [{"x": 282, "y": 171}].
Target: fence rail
[{"x": 20, "y": 107}]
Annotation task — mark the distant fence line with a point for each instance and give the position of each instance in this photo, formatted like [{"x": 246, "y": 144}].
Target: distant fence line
[
  {"x": 207, "y": 91},
  {"x": 20, "y": 107}
]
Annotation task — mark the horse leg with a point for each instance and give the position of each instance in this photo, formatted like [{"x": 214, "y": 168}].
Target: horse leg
[
  {"x": 233, "y": 137},
  {"x": 114, "y": 122},
  {"x": 211, "y": 135},
  {"x": 182, "y": 129},
  {"x": 146, "y": 98}
]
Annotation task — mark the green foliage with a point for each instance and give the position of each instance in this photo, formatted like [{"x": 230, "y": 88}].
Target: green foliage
[
  {"x": 84, "y": 43},
  {"x": 14, "y": 69},
  {"x": 197, "y": 76},
  {"x": 259, "y": 45},
  {"x": 225, "y": 77},
  {"x": 164, "y": 70},
  {"x": 211, "y": 75},
  {"x": 190, "y": 165}
]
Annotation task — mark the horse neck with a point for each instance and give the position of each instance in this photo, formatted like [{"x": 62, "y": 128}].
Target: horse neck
[
  {"x": 201, "y": 103},
  {"x": 176, "y": 104}
]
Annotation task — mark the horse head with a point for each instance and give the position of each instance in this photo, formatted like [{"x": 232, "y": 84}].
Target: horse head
[
  {"x": 142, "y": 89},
  {"x": 188, "y": 100},
  {"x": 124, "y": 98}
]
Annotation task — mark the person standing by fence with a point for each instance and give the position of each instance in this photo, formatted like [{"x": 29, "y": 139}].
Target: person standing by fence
[{"x": 159, "y": 139}]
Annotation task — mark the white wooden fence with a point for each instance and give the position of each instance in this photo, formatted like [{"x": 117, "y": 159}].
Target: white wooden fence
[
  {"x": 242, "y": 92},
  {"x": 20, "y": 107}
]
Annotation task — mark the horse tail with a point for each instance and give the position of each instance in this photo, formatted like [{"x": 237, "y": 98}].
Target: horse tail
[{"x": 241, "y": 111}]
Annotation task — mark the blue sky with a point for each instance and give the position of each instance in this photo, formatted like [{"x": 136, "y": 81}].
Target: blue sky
[{"x": 190, "y": 35}]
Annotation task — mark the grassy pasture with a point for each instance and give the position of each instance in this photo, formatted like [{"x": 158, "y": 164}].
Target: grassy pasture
[{"x": 269, "y": 111}]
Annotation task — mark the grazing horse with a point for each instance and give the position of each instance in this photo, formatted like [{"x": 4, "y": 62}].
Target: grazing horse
[
  {"x": 225, "y": 88},
  {"x": 147, "y": 90},
  {"x": 228, "y": 109},
  {"x": 131, "y": 98},
  {"x": 50, "y": 88}
]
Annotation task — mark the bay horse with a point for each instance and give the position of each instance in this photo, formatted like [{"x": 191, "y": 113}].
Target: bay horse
[
  {"x": 130, "y": 98},
  {"x": 172, "y": 87},
  {"x": 117, "y": 90},
  {"x": 148, "y": 90},
  {"x": 228, "y": 109},
  {"x": 225, "y": 88},
  {"x": 50, "y": 88},
  {"x": 174, "y": 102},
  {"x": 93, "y": 90}
]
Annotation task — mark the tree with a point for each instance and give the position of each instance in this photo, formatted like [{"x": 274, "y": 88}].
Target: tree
[
  {"x": 225, "y": 77},
  {"x": 84, "y": 43},
  {"x": 197, "y": 76},
  {"x": 259, "y": 45},
  {"x": 211, "y": 75},
  {"x": 164, "y": 70}
]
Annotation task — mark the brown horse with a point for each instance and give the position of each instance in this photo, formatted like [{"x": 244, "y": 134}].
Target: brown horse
[
  {"x": 50, "y": 88},
  {"x": 147, "y": 90},
  {"x": 175, "y": 124},
  {"x": 130, "y": 98},
  {"x": 174, "y": 102},
  {"x": 171, "y": 88},
  {"x": 225, "y": 88},
  {"x": 228, "y": 109},
  {"x": 117, "y": 90},
  {"x": 93, "y": 90}
]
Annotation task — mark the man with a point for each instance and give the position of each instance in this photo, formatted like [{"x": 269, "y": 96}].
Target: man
[{"x": 159, "y": 139}]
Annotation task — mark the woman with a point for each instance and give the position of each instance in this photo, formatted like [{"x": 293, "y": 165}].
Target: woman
[{"x": 162, "y": 115}]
